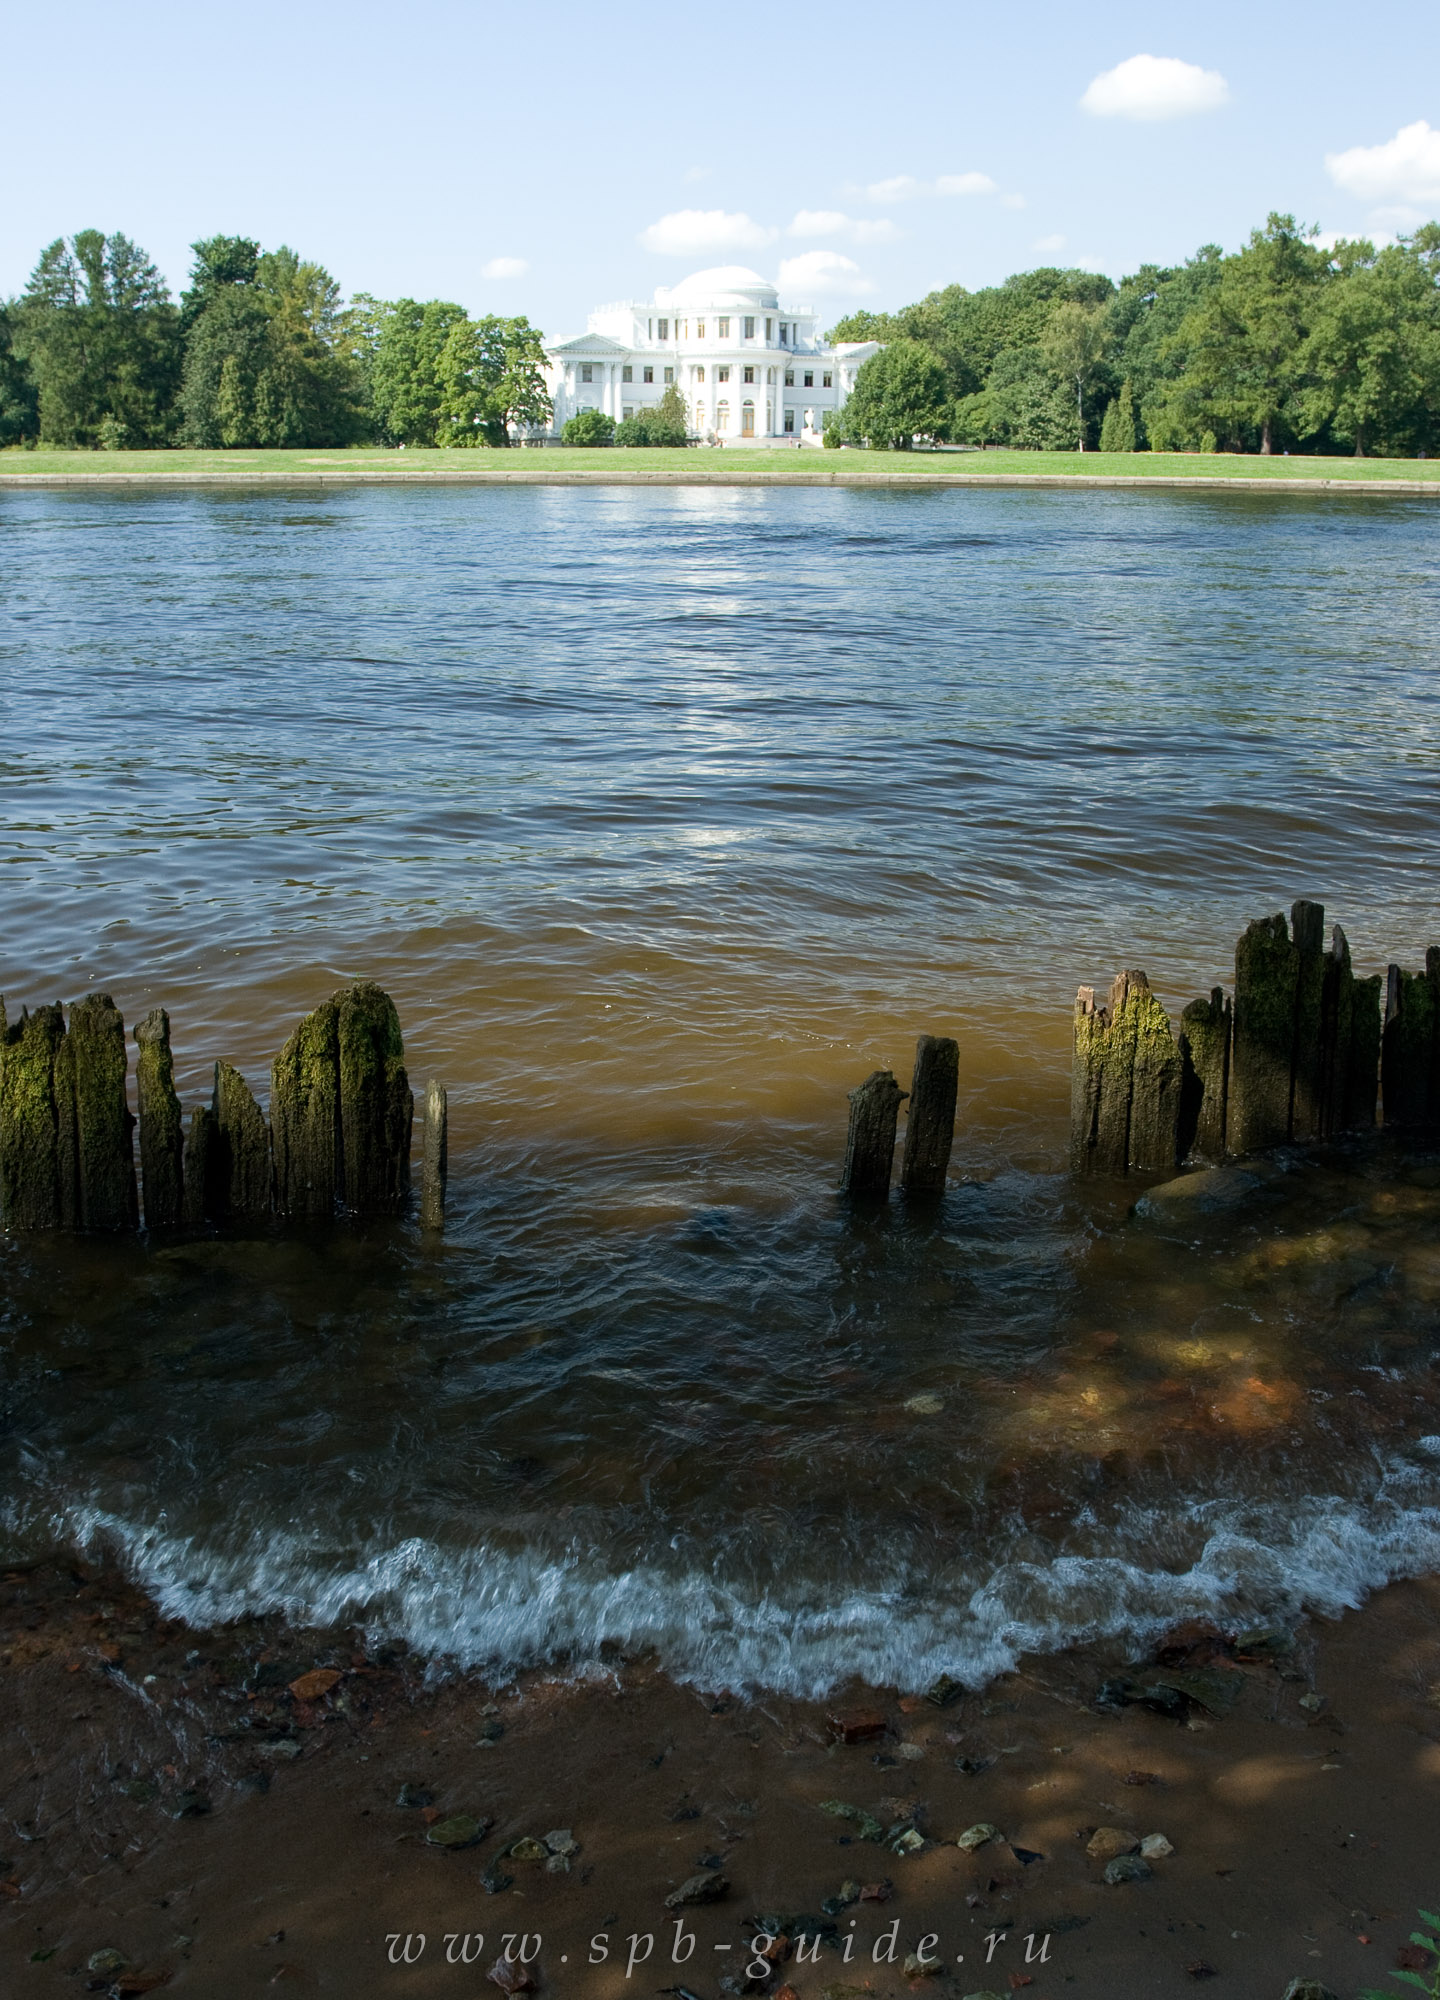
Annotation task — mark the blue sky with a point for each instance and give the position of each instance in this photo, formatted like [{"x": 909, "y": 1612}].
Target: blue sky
[{"x": 544, "y": 159}]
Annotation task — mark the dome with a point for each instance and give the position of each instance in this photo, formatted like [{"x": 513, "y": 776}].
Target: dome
[{"x": 724, "y": 285}]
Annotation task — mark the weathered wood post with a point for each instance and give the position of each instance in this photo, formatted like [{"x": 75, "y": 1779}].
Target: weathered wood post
[
  {"x": 238, "y": 1183},
  {"x": 870, "y": 1141},
  {"x": 930, "y": 1121},
  {"x": 1262, "y": 1056},
  {"x": 162, "y": 1139},
  {"x": 1205, "y": 1078},
  {"x": 103, "y": 1121},
  {"x": 1363, "y": 1081},
  {"x": 1407, "y": 1053},
  {"x": 377, "y": 1109},
  {"x": 434, "y": 1156},
  {"x": 37, "y": 1152},
  {"x": 305, "y": 1116},
  {"x": 1307, "y": 927},
  {"x": 200, "y": 1198},
  {"x": 1124, "y": 1082}
]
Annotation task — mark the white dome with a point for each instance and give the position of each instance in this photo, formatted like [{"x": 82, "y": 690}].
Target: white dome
[{"x": 724, "y": 285}]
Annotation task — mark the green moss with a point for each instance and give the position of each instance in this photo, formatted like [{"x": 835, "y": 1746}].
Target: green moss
[
  {"x": 161, "y": 1136},
  {"x": 305, "y": 1116},
  {"x": 29, "y": 1150}
]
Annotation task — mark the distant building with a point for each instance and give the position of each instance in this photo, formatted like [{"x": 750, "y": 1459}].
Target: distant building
[{"x": 750, "y": 370}]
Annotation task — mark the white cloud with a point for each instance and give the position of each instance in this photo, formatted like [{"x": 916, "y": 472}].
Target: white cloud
[
  {"x": 822, "y": 271},
  {"x": 694, "y": 232},
  {"x": 1048, "y": 243},
  {"x": 504, "y": 267},
  {"x": 1155, "y": 87},
  {"x": 832, "y": 222},
  {"x": 1405, "y": 169},
  {"x": 905, "y": 187}
]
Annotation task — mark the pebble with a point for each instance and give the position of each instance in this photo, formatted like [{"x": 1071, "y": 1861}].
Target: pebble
[
  {"x": 927, "y": 1405},
  {"x": 414, "y": 1795},
  {"x": 1313, "y": 1702},
  {"x": 460, "y": 1830},
  {"x": 977, "y": 1835},
  {"x": 108, "y": 1959},
  {"x": 1127, "y": 1868},
  {"x": 1106, "y": 1842},
  {"x": 1307, "y": 1989},
  {"x": 917, "y": 1967},
  {"x": 705, "y": 1888},
  {"x": 912, "y": 1752},
  {"x": 527, "y": 1848},
  {"x": 562, "y": 1841},
  {"x": 1155, "y": 1847},
  {"x": 862, "y": 1725}
]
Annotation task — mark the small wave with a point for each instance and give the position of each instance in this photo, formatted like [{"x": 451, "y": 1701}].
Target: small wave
[{"x": 498, "y": 1611}]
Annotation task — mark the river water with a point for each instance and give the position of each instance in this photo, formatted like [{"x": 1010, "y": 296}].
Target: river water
[{"x": 666, "y": 816}]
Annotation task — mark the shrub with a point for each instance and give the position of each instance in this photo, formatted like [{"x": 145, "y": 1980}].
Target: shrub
[{"x": 589, "y": 427}]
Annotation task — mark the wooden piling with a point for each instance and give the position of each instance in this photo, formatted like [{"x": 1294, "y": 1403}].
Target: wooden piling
[
  {"x": 239, "y": 1164},
  {"x": 31, "y": 1140},
  {"x": 104, "y": 1125},
  {"x": 1205, "y": 1078},
  {"x": 377, "y": 1109},
  {"x": 305, "y": 1116},
  {"x": 200, "y": 1198},
  {"x": 1362, "y": 1088},
  {"x": 1307, "y": 932},
  {"x": 1262, "y": 1052},
  {"x": 1407, "y": 1047},
  {"x": 1155, "y": 1084},
  {"x": 1125, "y": 1082},
  {"x": 434, "y": 1156},
  {"x": 870, "y": 1141},
  {"x": 162, "y": 1138},
  {"x": 930, "y": 1121}
]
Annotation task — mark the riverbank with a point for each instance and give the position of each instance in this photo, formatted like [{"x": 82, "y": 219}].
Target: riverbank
[
  {"x": 252, "y": 1805},
  {"x": 736, "y": 467}
]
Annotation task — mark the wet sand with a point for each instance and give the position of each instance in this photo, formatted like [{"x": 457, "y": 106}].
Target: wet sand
[{"x": 223, "y": 1833}]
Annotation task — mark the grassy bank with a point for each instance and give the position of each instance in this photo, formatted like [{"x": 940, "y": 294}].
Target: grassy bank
[{"x": 701, "y": 465}]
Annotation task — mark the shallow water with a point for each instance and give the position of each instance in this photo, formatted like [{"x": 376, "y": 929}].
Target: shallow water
[{"x": 666, "y": 816}]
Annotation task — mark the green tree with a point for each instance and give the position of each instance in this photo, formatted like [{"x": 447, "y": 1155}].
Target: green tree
[
  {"x": 19, "y": 401},
  {"x": 1074, "y": 344},
  {"x": 1117, "y": 432},
  {"x": 589, "y": 427},
  {"x": 664, "y": 423},
  {"x": 219, "y": 261},
  {"x": 1026, "y": 404},
  {"x": 900, "y": 394},
  {"x": 100, "y": 337},
  {"x": 406, "y": 388},
  {"x": 1244, "y": 367},
  {"x": 492, "y": 375},
  {"x": 1372, "y": 349},
  {"x": 268, "y": 363}
]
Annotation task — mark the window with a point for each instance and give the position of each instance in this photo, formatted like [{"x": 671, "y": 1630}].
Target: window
[
  {"x": 627, "y": 373},
  {"x": 669, "y": 374},
  {"x": 587, "y": 371},
  {"x": 748, "y": 374},
  {"x": 809, "y": 378},
  {"x": 790, "y": 423},
  {"x": 722, "y": 416},
  {"x": 723, "y": 328},
  {"x": 747, "y": 419},
  {"x": 784, "y": 333},
  {"x": 664, "y": 329},
  {"x": 749, "y": 326},
  {"x": 682, "y": 329},
  {"x": 722, "y": 374},
  {"x": 699, "y": 329},
  {"x": 700, "y": 373},
  {"x": 826, "y": 380},
  {"x": 700, "y": 417},
  {"x": 647, "y": 374},
  {"x": 769, "y": 329},
  {"x": 789, "y": 378}
]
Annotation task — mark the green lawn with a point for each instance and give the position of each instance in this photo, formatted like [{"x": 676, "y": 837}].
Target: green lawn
[{"x": 702, "y": 464}]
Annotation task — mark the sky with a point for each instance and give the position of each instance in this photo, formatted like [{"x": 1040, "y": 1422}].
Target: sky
[{"x": 543, "y": 162}]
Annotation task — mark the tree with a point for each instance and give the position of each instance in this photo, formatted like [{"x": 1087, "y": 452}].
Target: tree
[
  {"x": 1117, "y": 432},
  {"x": 665, "y": 423},
  {"x": 900, "y": 394},
  {"x": 1372, "y": 348},
  {"x": 100, "y": 336},
  {"x": 19, "y": 402},
  {"x": 589, "y": 427},
  {"x": 1074, "y": 345},
  {"x": 1025, "y": 403},
  {"x": 492, "y": 375},
  {"x": 405, "y": 384},
  {"x": 1245, "y": 339},
  {"x": 267, "y": 362},
  {"x": 219, "y": 261}
]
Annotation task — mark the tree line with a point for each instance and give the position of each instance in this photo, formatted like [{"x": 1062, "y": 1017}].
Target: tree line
[
  {"x": 1284, "y": 346},
  {"x": 260, "y": 350}
]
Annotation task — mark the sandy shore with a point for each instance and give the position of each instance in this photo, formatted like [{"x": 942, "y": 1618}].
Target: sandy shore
[{"x": 190, "y": 1804}]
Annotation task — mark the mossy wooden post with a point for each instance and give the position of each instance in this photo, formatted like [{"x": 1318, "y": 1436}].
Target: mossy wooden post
[
  {"x": 1307, "y": 929},
  {"x": 1337, "y": 1031},
  {"x": 239, "y": 1178},
  {"x": 103, "y": 1121},
  {"x": 1262, "y": 1053},
  {"x": 1117, "y": 1077},
  {"x": 376, "y": 1107},
  {"x": 1407, "y": 1047},
  {"x": 870, "y": 1141},
  {"x": 1155, "y": 1083},
  {"x": 31, "y": 1137},
  {"x": 305, "y": 1116},
  {"x": 162, "y": 1138},
  {"x": 200, "y": 1196},
  {"x": 1432, "y": 980},
  {"x": 434, "y": 1156},
  {"x": 930, "y": 1121},
  {"x": 1362, "y": 1081},
  {"x": 1087, "y": 1066},
  {"x": 1205, "y": 1081}
]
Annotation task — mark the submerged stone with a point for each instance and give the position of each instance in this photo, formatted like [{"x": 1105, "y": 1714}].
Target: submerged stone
[
  {"x": 1212, "y": 1191},
  {"x": 460, "y": 1830},
  {"x": 1128, "y": 1868},
  {"x": 706, "y": 1888}
]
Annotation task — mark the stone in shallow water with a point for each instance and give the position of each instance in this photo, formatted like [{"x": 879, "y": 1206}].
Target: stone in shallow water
[
  {"x": 698, "y": 1889},
  {"x": 1212, "y": 1192},
  {"x": 1155, "y": 1847},
  {"x": 1108, "y": 1841},
  {"x": 527, "y": 1849},
  {"x": 1127, "y": 1868},
  {"x": 460, "y": 1830},
  {"x": 978, "y": 1835}
]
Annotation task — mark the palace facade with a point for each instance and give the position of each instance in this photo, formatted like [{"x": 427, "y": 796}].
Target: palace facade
[{"x": 751, "y": 370}]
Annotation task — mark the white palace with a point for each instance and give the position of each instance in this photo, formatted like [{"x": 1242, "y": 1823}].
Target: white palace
[{"x": 751, "y": 370}]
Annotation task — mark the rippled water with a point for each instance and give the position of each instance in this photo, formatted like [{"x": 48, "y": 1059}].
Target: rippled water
[{"x": 666, "y": 816}]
